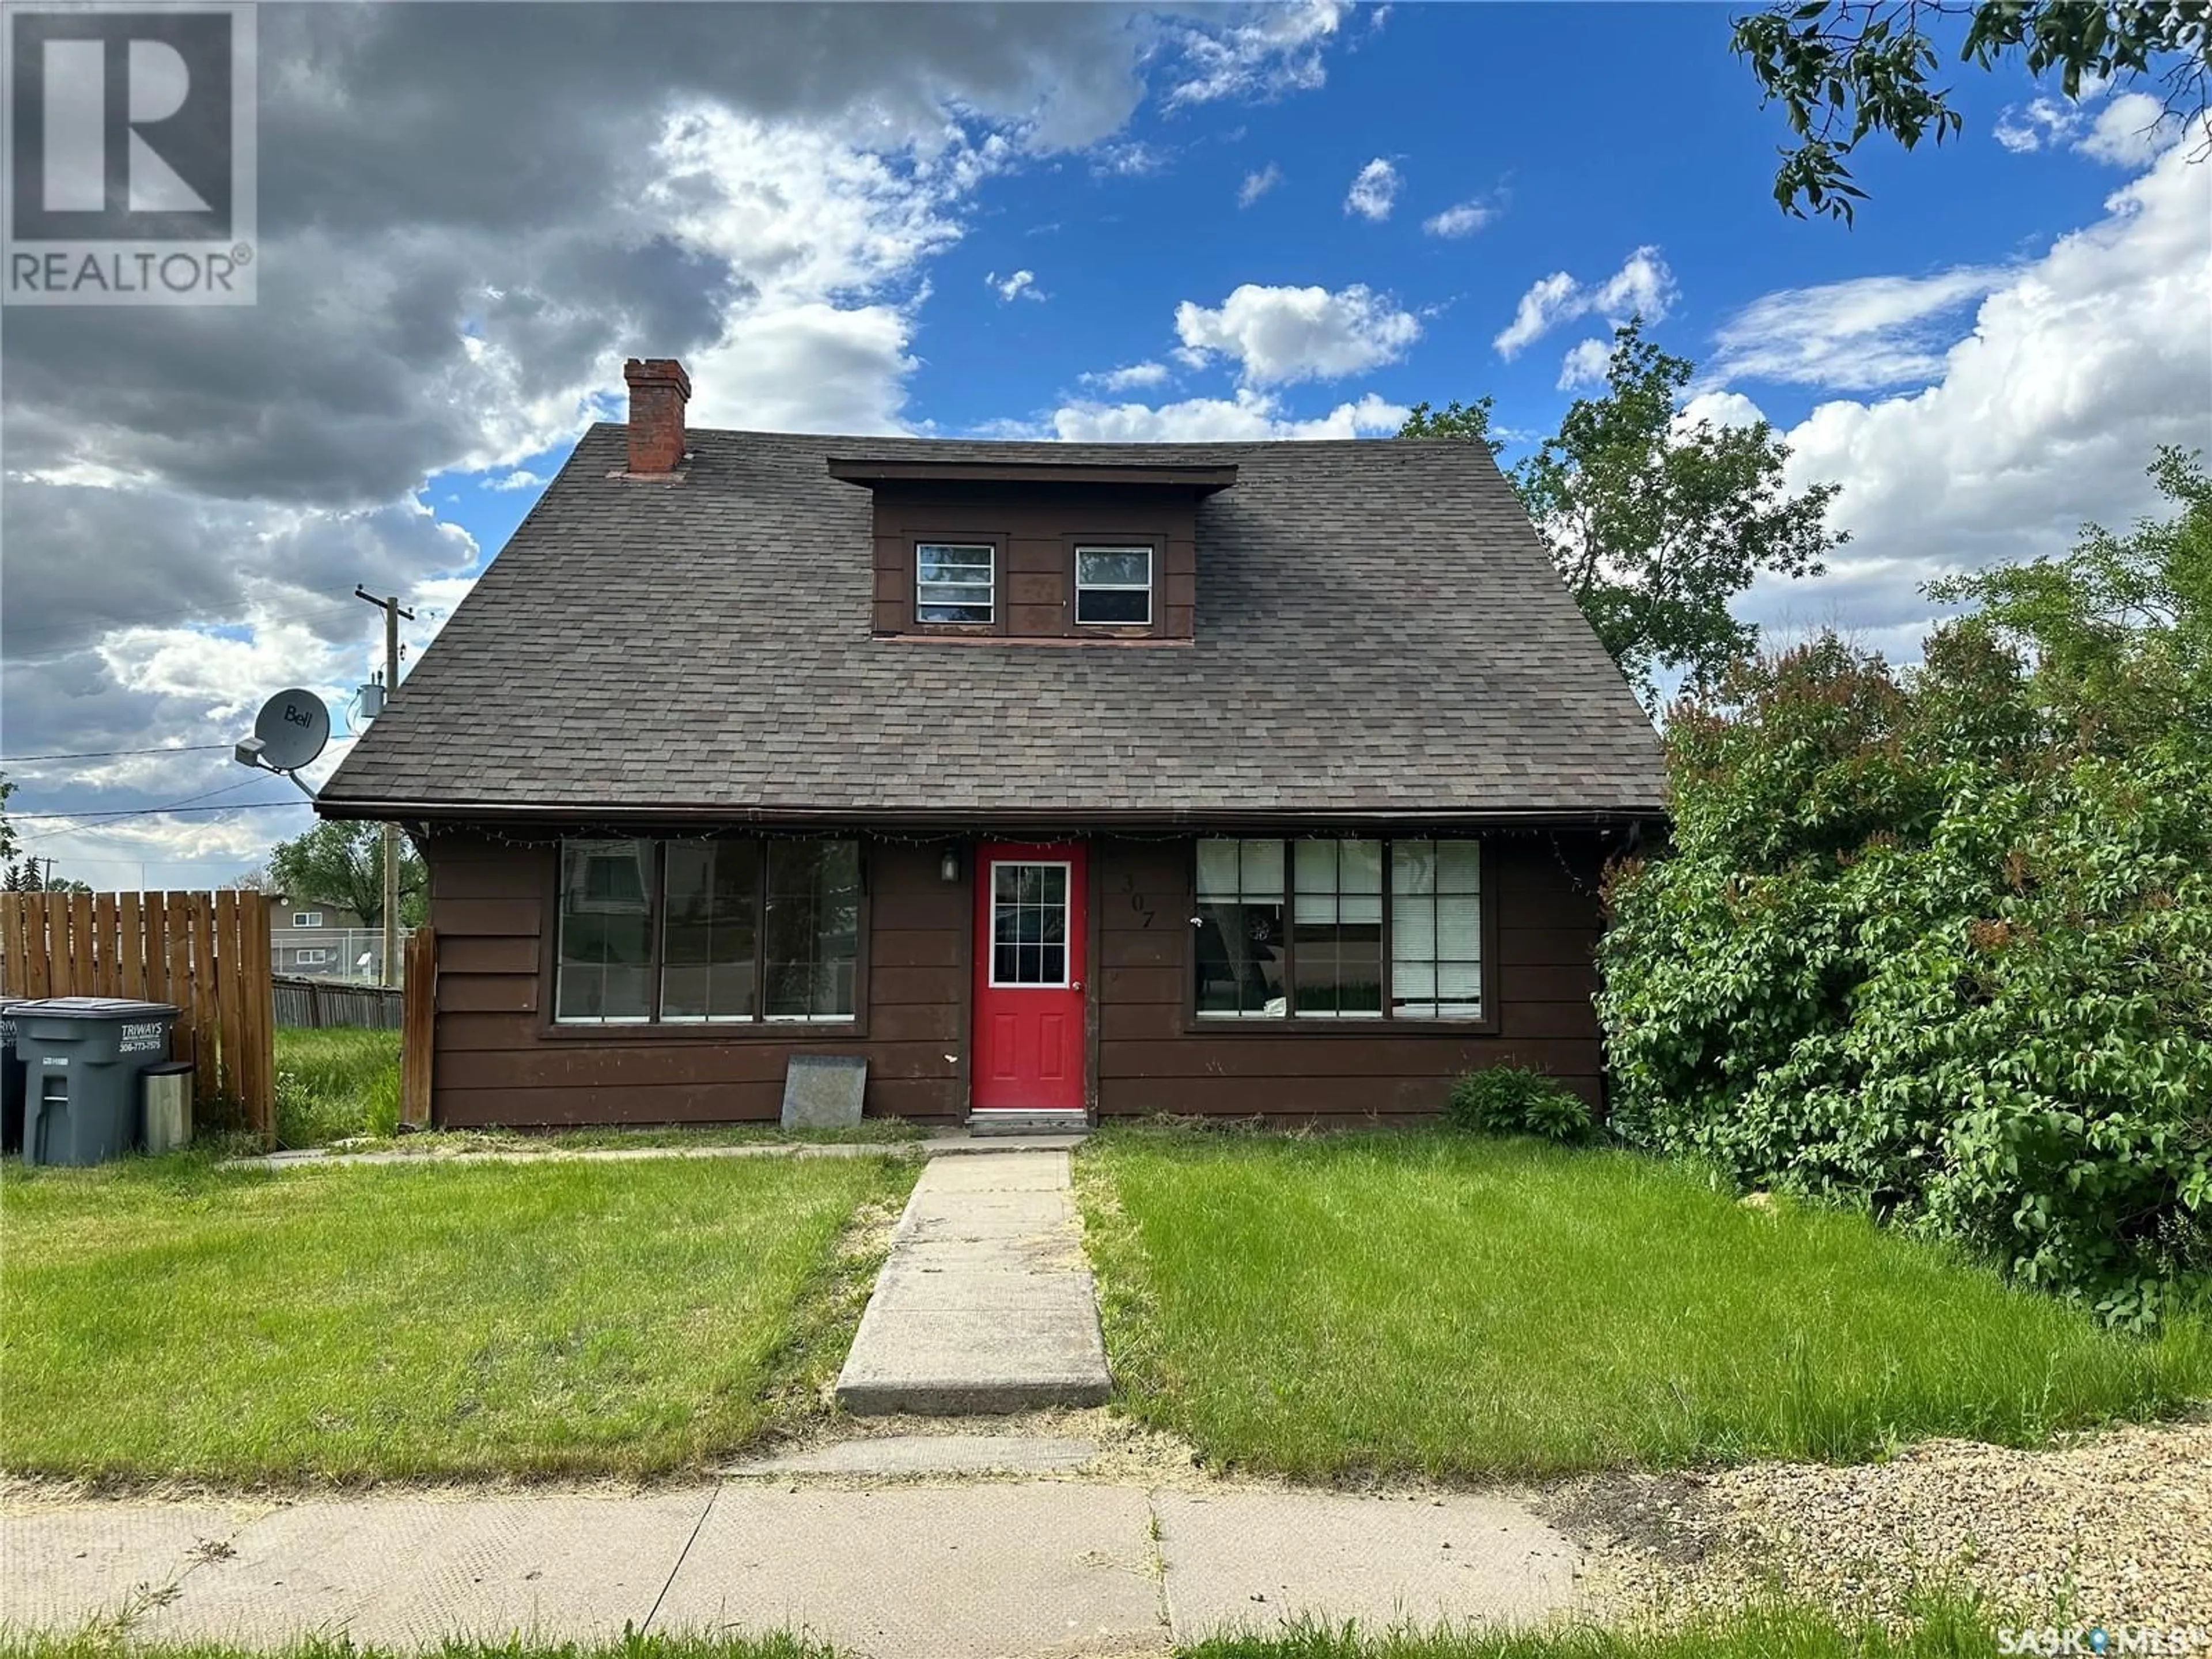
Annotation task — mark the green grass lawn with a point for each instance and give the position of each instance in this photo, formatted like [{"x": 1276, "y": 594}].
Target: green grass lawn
[
  {"x": 335, "y": 1083},
  {"x": 167, "y": 1318},
  {"x": 1947, "y": 1631},
  {"x": 1456, "y": 1305}
]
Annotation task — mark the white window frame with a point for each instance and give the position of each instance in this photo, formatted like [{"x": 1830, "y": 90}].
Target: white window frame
[
  {"x": 308, "y": 959},
  {"x": 990, "y": 552},
  {"x": 1066, "y": 980},
  {"x": 307, "y": 917},
  {"x": 1082, "y": 587}
]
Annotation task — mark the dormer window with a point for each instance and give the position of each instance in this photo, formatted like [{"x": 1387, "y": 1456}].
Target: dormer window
[
  {"x": 1047, "y": 548},
  {"x": 1113, "y": 585},
  {"x": 955, "y": 582}
]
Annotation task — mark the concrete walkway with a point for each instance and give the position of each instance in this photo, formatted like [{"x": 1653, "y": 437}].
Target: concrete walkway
[
  {"x": 989, "y": 1570},
  {"x": 985, "y": 1304},
  {"x": 953, "y": 1144}
]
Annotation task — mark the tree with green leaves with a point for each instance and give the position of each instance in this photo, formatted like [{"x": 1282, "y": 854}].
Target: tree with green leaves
[
  {"x": 1454, "y": 419},
  {"x": 341, "y": 864},
  {"x": 2120, "y": 628},
  {"x": 1845, "y": 69},
  {"x": 1655, "y": 523}
]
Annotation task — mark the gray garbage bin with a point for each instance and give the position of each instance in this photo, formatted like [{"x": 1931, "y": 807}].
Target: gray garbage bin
[
  {"x": 81, "y": 1057},
  {"x": 11, "y": 1079},
  {"x": 168, "y": 1115}
]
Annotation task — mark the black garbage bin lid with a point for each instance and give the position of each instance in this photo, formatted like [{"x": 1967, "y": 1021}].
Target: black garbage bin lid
[
  {"x": 167, "y": 1068},
  {"x": 94, "y": 1008}
]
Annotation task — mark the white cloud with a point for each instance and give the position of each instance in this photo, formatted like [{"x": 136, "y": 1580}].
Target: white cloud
[
  {"x": 520, "y": 478},
  {"x": 1021, "y": 285},
  {"x": 2077, "y": 368},
  {"x": 1257, "y": 184},
  {"x": 2130, "y": 130},
  {"x": 1250, "y": 416},
  {"x": 1463, "y": 220},
  {"x": 1283, "y": 334},
  {"x": 1131, "y": 377},
  {"x": 2124, "y": 129},
  {"x": 1134, "y": 159},
  {"x": 2041, "y": 121},
  {"x": 1643, "y": 285},
  {"x": 1266, "y": 52},
  {"x": 1853, "y": 336},
  {"x": 1585, "y": 364},
  {"x": 1375, "y": 191},
  {"x": 1718, "y": 409}
]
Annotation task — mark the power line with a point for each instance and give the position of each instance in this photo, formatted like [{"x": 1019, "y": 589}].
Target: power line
[
  {"x": 111, "y": 754},
  {"x": 155, "y": 811}
]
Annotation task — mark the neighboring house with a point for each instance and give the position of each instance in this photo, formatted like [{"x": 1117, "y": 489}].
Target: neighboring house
[
  {"x": 1111, "y": 778},
  {"x": 324, "y": 942}
]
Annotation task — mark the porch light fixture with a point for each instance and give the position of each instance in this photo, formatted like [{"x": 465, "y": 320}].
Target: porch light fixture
[{"x": 948, "y": 867}]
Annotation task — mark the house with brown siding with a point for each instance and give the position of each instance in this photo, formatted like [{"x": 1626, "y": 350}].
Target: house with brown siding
[{"x": 1095, "y": 779}]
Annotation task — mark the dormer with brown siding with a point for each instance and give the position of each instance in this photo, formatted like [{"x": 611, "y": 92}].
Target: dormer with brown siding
[{"x": 1005, "y": 551}]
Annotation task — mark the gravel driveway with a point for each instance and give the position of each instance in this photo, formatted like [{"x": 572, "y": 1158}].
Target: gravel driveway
[{"x": 2116, "y": 1528}]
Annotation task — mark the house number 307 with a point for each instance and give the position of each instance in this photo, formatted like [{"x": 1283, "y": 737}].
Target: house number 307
[{"x": 1138, "y": 902}]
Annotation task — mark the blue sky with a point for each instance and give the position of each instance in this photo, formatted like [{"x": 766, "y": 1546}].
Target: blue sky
[{"x": 967, "y": 221}]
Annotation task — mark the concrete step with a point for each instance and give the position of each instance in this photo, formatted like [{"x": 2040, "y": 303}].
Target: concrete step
[{"x": 1027, "y": 1123}]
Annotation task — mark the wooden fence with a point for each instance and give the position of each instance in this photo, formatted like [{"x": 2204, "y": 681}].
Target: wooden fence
[
  {"x": 319, "y": 1004},
  {"x": 207, "y": 953}
]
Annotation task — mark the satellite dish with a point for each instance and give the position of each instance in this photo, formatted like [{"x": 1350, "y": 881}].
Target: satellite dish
[{"x": 292, "y": 728}]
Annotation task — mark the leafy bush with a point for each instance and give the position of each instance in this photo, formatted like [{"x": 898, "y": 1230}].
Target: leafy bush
[
  {"x": 1513, "y": 1100},
  {"x": 1940, "y": 944}
]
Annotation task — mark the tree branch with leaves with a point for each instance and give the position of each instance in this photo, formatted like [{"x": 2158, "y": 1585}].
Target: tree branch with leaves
[{"x": 1843, "y": 71}]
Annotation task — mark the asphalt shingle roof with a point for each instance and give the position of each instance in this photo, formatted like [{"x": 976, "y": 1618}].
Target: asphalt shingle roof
[{"x": 1378, "y": 630}]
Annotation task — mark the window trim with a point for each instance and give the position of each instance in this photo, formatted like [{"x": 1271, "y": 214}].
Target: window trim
[
  {"x": 307, "y": 917},
  {"x": 995, "y": 546},
  {"x": 1078, "y": 586},
  {"x": 784, "y": 1029},
  {"x": 1386, "y": 1024}
]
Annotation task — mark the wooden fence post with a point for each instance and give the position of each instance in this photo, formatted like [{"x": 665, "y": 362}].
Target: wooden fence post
[{"x": 418, "y": 1027}]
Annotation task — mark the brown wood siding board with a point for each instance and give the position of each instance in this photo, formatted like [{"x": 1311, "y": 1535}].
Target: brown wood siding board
[
  {"x": 508, "y": 994},
  {"x": 642, "y": 1065},
  {"x": 1352, "y": 1098},
  {"x": 491, "y": 955}
]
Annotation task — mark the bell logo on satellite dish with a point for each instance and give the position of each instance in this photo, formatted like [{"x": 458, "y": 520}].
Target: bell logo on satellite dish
[{"x": 292, "y": 728}]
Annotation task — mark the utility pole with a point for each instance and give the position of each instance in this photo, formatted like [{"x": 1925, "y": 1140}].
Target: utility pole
[{"x": 392, "y": 613}]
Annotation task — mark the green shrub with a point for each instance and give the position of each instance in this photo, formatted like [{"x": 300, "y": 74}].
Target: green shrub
[
  {"x": 1940, "y": 944},
  {"x": 1514, "y": 1100}
]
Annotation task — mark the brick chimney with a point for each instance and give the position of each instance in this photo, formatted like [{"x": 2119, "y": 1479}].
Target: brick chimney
[{"x": 658, "y": 389}]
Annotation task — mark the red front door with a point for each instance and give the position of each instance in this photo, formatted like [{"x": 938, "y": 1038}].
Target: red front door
[{"x": 1029, "y": 977}]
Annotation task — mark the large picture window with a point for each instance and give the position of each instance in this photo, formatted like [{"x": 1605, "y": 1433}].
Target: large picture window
[
  {"x": 1339, "y": 929},
  {"x": 707, "y": 932}
]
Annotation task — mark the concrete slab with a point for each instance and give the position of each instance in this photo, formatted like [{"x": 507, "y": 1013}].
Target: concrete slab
[
  {"x": 985, "y": 1304},
  {"x": 1019, "y": 1572},
  {"x": 1252, "y": 1560},
  {"x": 407, "y": 1572},
  {"x": 59, "y": 1569},
  {"x": 904, "y": 1455},
  {"x": 1032, "y": 1172}
]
